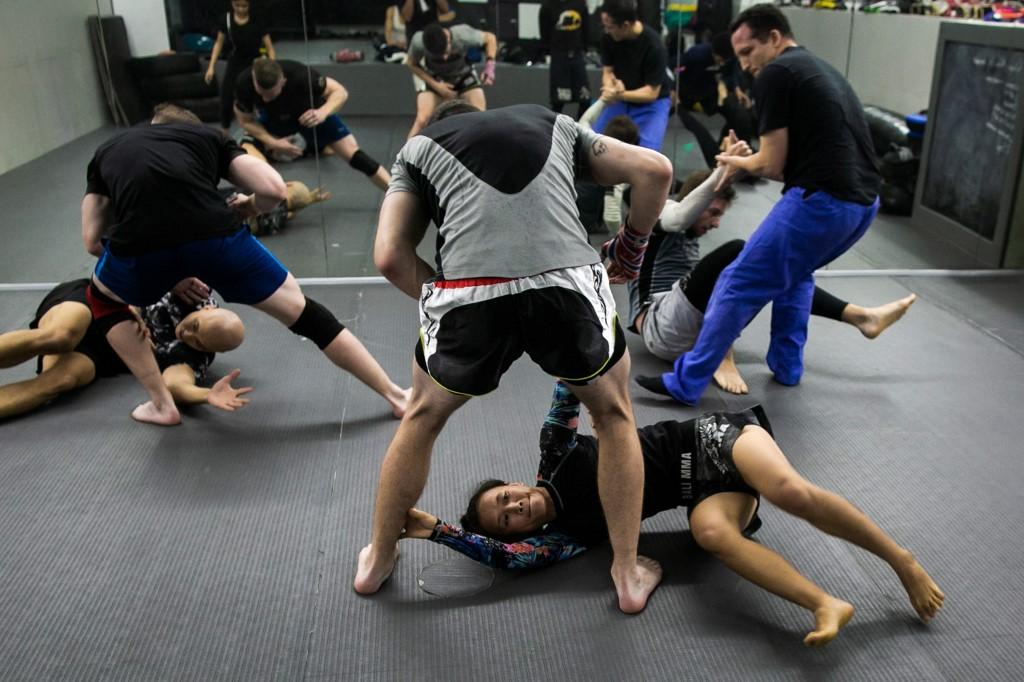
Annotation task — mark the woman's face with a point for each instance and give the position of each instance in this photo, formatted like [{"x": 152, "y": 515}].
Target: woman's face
[{"x": 513, "y": 509}]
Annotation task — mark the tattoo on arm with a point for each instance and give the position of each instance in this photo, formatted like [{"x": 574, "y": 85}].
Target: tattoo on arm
[{"x": 599, "y": 147}]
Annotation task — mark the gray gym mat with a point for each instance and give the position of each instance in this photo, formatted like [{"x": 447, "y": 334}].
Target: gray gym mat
[{"x": 225, "y": 548}]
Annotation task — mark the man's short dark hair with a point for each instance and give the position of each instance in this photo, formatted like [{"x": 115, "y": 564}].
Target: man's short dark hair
[
  {"x": 452, "y": 107},
  {"x": 434, "y": 39},
  {"x": 696, "y": 179},
  {"x": 721, "y": 46},
  {"x": 620, "y": 11},
  {"x": 762, "y": 20},
  {"x": 267, "y": 72},
  {"x": 471, "y": 519},
  {"x": 166, "y": 112},
  {"x": 623, "y": 129}
]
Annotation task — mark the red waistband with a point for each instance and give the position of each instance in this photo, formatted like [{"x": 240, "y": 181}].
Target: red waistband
[{"x": 470, "y": 282}]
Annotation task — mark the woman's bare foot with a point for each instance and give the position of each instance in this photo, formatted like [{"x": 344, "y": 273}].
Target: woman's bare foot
[
  {"x": 829, "y": 619},
  {"x": 149, "y": 413},
  {"x": 372, "y": 571},
  {"x": 400, "y": 403},
  {"x": 635, "y": 584},
  {"x": 727, "y": 376},
  {"x": 873, "y": 321},
  {"x": 925, "y": 595}
]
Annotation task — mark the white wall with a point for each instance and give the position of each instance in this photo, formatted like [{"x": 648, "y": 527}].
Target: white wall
[
  {"x": 891, "y": 56},
  {"x": 146, "y": 23},
  {"x": 51, "y": 89}
]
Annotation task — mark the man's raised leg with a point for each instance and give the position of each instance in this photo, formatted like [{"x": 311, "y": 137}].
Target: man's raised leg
[
  {"x": 135, "y": 352},
  {"x": 620, "y": 482},
  {"x": 61, "y": 328},
  {"x": 288, "y": 303},
  {"x": 403, "y": 475}
]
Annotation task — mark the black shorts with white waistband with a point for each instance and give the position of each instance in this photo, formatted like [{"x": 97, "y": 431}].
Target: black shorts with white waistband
[{"x": 471, "y": 331}]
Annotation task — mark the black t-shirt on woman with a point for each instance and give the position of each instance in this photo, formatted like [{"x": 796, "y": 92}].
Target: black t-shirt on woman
[
  {"x": 829, "y": 142},
  {"x": 162, "y": 184}
]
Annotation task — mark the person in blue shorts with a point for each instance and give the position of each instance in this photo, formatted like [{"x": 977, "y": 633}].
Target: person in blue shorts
[
  {"x": 153, "y": 216},
  {"x": 273, "y": 103}
]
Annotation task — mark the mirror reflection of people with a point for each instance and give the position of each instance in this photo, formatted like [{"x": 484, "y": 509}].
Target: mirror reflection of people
[
  {"x": 245, "y": 38},
  {"x": 717, "y": 466},
  {"x": 272, "y": 103},
  {"x": 441, "y": 70},
  {"x": 564, "y": 26}
]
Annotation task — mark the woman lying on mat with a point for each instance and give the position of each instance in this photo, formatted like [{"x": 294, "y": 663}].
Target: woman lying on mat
[{"x": 716, "y": 465}]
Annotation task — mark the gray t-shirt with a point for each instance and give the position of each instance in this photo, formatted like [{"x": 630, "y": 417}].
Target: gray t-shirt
[
  {"x": 453, "y": 66},
  {"x": 500, "y": 186}
]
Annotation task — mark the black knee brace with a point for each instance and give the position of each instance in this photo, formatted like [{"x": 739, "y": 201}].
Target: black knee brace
[
  {"x": 362, "y": 161},
  {"x": 317, "y": 323}
]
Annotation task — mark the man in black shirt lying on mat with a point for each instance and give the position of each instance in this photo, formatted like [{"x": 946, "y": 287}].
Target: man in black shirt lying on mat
[
  {"x": 72, "y": 350},
  {"x": 716, "y": 466}
]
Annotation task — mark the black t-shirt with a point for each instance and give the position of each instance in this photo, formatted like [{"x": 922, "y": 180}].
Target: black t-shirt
[
  {"x": 829, "y": 141},
  {"x": 294, "y": 98},
  {"x": 424, "y": 13},
  {"x": 638, "y": 61},
  {"x": 245, "y": 39},
  {"x": 572, "y": 482},
  {"x": 563, "y": 25},
  {"x": 162, "y": 182}
]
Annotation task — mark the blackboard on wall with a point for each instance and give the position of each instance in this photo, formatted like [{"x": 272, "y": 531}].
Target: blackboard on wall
[{"x": 972, "y": 151}]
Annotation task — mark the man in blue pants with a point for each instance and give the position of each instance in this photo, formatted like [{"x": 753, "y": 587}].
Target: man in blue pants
[{"x": 815, "y": 139}]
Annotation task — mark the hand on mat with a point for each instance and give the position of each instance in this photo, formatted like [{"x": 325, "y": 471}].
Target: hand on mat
[
  {"x": 285, "y": 148},
  {"x": 227, "y": 397},
  {"x": 192, "y": 290},
  {"x": 312, "y": 118},
  {"x": 244, "y": 205},
  {"x": 418, "y": 525}
]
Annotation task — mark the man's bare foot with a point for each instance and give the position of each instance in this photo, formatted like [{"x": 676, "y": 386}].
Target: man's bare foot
[
  {"x": 829, "y": 619},
  {"x": 149, "y": 413},
  {"x": 873, "y": 321},
  {"x": 925, "y": 595},
  {"x": 727, "y": 376},
  {"x": 635, "y": 585},
  {"x": 369, "y": 577},
  {"x": 401, "y": 403}
]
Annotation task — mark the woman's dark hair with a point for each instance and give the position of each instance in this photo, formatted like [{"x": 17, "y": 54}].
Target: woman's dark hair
[
  {"x": 623, "y": 128},
  {"x": 451, "y": 108},
  {"x": 762, "y": 20},
  {"x": 620, "y": 11},
  {"x": 434, "y": 39},
  {"x": 471, "y": 519}
]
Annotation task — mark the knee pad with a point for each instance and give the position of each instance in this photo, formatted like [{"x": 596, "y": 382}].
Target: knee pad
[
  {"x": 106, "y": 312},
  {"x": 362, "y": 161},
  {"x": 317, "y": 323}
]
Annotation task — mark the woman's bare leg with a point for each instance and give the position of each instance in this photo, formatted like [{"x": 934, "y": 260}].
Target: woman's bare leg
[
  {"x": 765, "y": 468},
  {"x": 717, "y": 525}
]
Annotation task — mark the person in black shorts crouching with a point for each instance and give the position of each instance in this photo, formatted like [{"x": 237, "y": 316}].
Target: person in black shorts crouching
[
  {"x": 272, "y": 103},
  {"x": 72, "y": 350},
  {"x": 152, "y": 191},
  {"x": 717, "y": 466}
]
